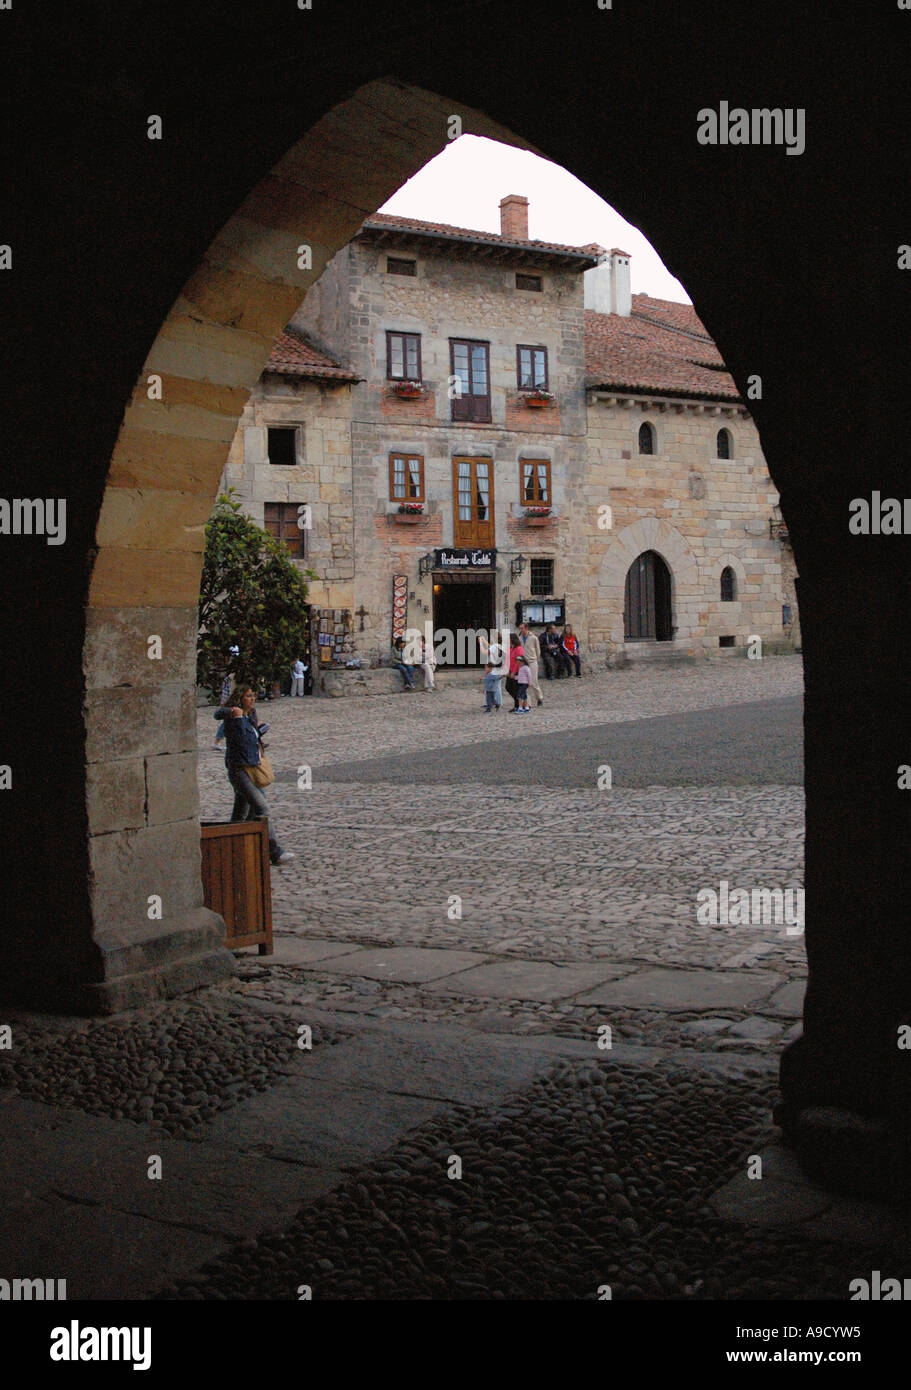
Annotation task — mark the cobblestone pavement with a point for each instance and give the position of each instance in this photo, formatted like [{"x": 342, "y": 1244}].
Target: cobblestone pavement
[{"x": 527, "y": 909}]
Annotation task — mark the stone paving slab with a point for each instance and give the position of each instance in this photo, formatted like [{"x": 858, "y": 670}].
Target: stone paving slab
[
  {"x": 102, "y": 1162},
  {"x": 678, "y": 991},
  {"x": 291, "y": 949},
  {"x": 103, "y": 1253},
  {"x": 320, "y": 1122},
  {"x": 784, "y": 1196},
  {"x": 408, "y": 964},
  {"x": 525, "y": 979},
  {"x": 441, "y": 1062},
  {"x": 788, "y": 1000}
]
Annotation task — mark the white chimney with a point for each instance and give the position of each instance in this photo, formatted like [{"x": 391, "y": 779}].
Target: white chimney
[
  {"x": 621, "y": 299},
  {"x": 606, "y": 288}
]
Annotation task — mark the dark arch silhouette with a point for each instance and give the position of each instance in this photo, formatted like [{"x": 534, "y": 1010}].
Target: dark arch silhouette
[
  {"x": 728, "y": 585},
  {"x": 646, "y": 438}
]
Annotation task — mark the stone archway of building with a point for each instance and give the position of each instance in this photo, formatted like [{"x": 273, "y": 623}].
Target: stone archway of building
[
  {"x": 141, "y": 774},
  {"x": 650, "y": 533}
]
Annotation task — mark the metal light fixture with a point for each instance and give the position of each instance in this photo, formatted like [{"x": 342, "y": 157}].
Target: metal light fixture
[
  {"x": 425, "y": 565},
  {"x": 516, "y": 566}
]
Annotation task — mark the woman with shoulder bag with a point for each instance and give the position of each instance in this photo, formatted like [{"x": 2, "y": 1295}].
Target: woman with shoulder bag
[{"x": 249, "y": 770}]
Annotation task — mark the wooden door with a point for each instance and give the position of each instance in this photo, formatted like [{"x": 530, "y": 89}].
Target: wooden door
[
  {"x": 472, "y": 502},
  {"x": 647, "y": 599}
]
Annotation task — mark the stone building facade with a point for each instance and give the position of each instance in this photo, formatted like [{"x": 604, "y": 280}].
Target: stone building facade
[{"x": 460, "y": 429}]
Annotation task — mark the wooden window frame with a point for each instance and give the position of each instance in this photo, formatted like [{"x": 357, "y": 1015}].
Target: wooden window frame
[
  {"x": 470, "y": 397},
  {"x": 298, "y": 553},
  {"x": 399, "y": 333},
  {"x": 532, "y": 347},
  {"x": 537, "y": 501},
  {"x": 401, "y": 454}
]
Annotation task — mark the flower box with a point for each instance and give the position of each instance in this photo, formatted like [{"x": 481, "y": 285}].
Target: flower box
[
  {"x": 538, "y": 520},
  {"x": 538, "y": 399},
  {"x": 408, "y": 390},
  {"x": 407, "y": 518}
]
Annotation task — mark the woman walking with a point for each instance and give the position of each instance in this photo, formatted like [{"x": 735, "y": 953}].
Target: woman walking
[
  {"x": 242, "y": 734},
  {"x": 512, "y": 683}
]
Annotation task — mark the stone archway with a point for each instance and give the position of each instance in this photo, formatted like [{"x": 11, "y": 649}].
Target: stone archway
[
  {"x": 647, "y": 533},
  {"x": 141, "y": 772},
  {"x": 769, "y": 283}
]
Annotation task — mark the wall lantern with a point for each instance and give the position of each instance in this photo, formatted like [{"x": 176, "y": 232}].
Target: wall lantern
[
  {"x": 425, "y": 564},
  {"x": 516, "y": 566}
]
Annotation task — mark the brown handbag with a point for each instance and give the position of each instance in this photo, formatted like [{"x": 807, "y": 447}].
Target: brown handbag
[{"x": 261, "y": 774}]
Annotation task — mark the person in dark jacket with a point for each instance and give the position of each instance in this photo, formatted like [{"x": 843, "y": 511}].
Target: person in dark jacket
[
  {"x": 555, "y": 661},
  {"x": 242, "y": 736}
]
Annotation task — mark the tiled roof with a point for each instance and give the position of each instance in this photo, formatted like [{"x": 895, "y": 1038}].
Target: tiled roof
[
  {"x": 661, "y": 347},
  {"x": 293, "y": 356},
  {"x": 383, "y": 220}
]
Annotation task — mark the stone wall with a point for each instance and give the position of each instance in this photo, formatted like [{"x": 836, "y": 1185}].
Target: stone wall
[{"x": 699, "y": 512}]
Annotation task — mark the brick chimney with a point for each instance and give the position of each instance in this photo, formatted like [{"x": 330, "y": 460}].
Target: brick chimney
[{"x": 514, "y": 217}]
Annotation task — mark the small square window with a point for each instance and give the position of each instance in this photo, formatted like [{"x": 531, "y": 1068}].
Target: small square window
[
  {"x": 396, "y": 265},
  {"x": 726, "y": 641},
  {"x": 542, "y": 579},
  {"x": 282, "y": 447},
  {"x": 529, "y": 282}
]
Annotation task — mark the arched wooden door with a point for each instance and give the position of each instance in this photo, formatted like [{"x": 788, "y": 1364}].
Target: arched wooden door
[{"x": 647, "y": 600}]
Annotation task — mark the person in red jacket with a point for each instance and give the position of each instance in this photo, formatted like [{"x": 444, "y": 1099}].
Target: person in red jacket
[
  {"x": 570, "y": 646},
  {"x": 512, "y": 683}
]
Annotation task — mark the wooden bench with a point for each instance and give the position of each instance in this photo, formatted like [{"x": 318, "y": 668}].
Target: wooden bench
[{"x": 236, "y": 880}]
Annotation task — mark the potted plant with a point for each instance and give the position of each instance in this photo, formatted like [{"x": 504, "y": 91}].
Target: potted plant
[
  {"x": 538, "y": 398},
  {"x": 409, "y": 513},
  {"x": 537, "y": 516},
  {"x": 408, "y": 390}
]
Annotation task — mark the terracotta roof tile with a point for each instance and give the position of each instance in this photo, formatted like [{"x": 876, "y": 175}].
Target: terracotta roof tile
[
  {"x": 379, "y": 220},
  {"x": 661, "y": 347},
  {"x": 293, "y": 356}
]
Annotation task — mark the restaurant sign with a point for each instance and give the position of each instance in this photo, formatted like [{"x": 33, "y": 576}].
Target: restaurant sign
[{"x": 464, "y": 559}]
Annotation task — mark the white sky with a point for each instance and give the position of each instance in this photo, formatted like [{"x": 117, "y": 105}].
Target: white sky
[{"x": 465, "y": 183}]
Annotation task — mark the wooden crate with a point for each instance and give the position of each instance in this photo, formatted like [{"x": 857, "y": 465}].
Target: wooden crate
[{"x": 236, "y": 882}]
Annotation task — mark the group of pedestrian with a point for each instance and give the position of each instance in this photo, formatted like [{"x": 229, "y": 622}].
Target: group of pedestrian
[{"x": 427, "y": 664}]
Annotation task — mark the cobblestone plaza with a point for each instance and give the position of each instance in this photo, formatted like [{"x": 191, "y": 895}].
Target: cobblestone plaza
[{"x": 577, "y": 905}]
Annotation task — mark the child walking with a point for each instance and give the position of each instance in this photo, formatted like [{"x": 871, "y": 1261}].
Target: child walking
[
  {"x": 523, "y": 677},
  {"x": 492, "y": 696}
]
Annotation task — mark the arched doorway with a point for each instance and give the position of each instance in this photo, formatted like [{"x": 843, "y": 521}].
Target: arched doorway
[{"x": 647, "y": 600}]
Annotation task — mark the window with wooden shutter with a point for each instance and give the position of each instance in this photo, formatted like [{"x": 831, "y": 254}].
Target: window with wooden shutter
[
  {"x": 406, "y": 478},
  {"x": 281, "y": 521},
  {"x": 403, "y": 356},
  {"x": 470, "y": 367},
  {"x": 531, "y": 367},
  {"x": 535, "y": 482},
  {"x": 472, "y": 486}
]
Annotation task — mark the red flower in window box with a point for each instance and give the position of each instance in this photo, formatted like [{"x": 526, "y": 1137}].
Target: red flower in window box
[
  {"x": 408, "y": 390},
  {"x": 409, "y": 513},
  {"x": 537, "y": 516},
  {"x": 538, "y": 398}
]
